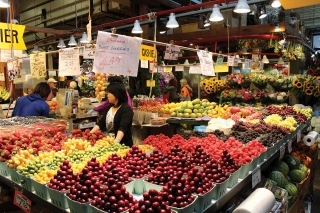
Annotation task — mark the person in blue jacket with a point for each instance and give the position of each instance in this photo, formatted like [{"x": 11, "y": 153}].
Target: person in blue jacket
[{"x": 33, "y": 104}]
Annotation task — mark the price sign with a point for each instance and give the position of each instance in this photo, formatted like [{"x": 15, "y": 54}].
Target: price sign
[
  {"x": 299, "y": 136},
  {"x": 38, "y": 65},
  {"x": 172, "y": 52},
  {"x": 231, "y": 61},
  {"x": 69, "y": 62},
  {"x": 206, "y": 63},
  {"x": 219, "y": 60},
  {"x": 282, "y": 151},
  {"x": 22, "y": 201},
  {"x": 88, "y": 53},
  {"x": 290, "y": 146},
  {"x": 167, "y": 69},
  {"x": 256, "y": 176}
]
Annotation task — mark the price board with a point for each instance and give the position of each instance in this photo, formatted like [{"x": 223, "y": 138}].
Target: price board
[
  {"x": 256, "y": 176},
  {"x": 22, "y": 201},
  {"x": 38, "y": 65}
]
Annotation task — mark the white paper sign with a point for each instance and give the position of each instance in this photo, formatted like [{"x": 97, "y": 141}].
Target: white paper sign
[
  {"x": 256, "y": 176},
  {"x": 69, "y": 62},
  {"x": 152, "y": 67},
  {"x": 206, "y": 63},
  {"x": 6, "y": 54},
  {"x": 38, "y": 65},
  {"x": 282, "y": 151},
  {"x": 117, "y": 54},
  {"x": 144, "y": 63},
  {"x": 52, "y": 72},
  {"x": 230, "y": 60},
  {"x": 88, "y": 53},
  {"x": 172, "y": 52},
  {"x": 195, "y": 69},
  {"x": 2, "y": 78},
  {"x": 179, "y": 68}
]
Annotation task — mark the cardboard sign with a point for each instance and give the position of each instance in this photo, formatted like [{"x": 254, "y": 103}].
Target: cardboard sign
[
  {"x": 69, "y": 62},
  {"x": 12, "y": 40},
  {"x": 22, "y": 201},
  {"x": 147, "y": 53},
  {"x": 38, "y": 65}
]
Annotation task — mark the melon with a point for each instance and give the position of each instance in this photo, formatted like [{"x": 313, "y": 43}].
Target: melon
[
  {"x": 282, "y": 167},
  {"x": 277, "y": 177},
  {"x": 303, "y": 168},
  {"x": 297, "y": 175},
  {"x": 292, "y": 161},
  {"x": 187, "y": 111},
  {"x": 291, "y": 189},
  {"x": 196, "y": 101}
]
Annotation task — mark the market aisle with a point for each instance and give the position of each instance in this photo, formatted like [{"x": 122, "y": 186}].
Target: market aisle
[{"x": 315, "y": 206}]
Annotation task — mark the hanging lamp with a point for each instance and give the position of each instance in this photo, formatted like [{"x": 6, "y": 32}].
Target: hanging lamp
[
  {"x": 84, "y": 38},
  {"x": 265, "y": 60},
  {"x": 276, "y": 4},
  {"x": 136, "y": 27},
  {"x": 172, "y": 23},
  {"x": 35, "y": 49},
  {"x": 4, "y": 4},
  {"x": 263, "y": 12},
  {"x": 242, "y": 7},
  {"x": 72, "y": 41},
  {"x": 216, "y": 14},
  {"x": 61, "y": 44},
  {"x": 280, "y": 61}
]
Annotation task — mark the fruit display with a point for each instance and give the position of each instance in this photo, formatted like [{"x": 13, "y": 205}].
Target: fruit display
[
  {"x": 154, "y": 159},
  {"x": 137, "y": 165},
  {"x": 4, "y": 94},
  {"x": 53, "y": 105},
  {"x": 200, "y": 181},
  {"x": 64, "y": 179},
  {"x": 100, "y": 86},
  {"x": 150, "y": 105},
  {"x": 287, "y": 111}
]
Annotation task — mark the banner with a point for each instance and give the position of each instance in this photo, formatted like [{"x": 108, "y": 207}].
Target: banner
[
  {"x": 147, "y": 53},
  {"x": 117, "y": 54},
  {"x": 16, "y": 37}
]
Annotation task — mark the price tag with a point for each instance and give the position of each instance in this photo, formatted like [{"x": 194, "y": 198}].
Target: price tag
[
  {"x": 22, "y": 201},
  {"x": 290, "y": 146},
  {"x": 299, "y": 136},
  {"x": 38, "y": 65},
  {"x": 282, "y": 151},
  {"x": 256, "y": 176}
]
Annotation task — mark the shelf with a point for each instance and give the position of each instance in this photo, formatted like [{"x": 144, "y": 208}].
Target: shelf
[
  {"x": 32, "y": 196},
  {"x": 217, "y": 204}
]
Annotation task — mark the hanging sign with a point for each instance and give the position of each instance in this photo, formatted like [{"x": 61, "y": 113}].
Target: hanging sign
[
  {"x": 172, "y": 52},
  {"x": 219, "y": 60},
  {"x": 38, "y": 65},
  {"x": 88, "y": 53},
  {"x": 22, "y": 201},
  {"x": 12, "y": 40},
  {"x": 117, "y": 54},
  {"x": 12, "y": 66},
  {"x": 206, "y": 62},
  {"x": 195, "y": 69},
  {"x": 69, "y": 63},
  {"x": 179, "y": 68},
  {"x": 167, "y": 69},
  {"x": 231, "y": 60},
  {"x": 247, "y": 64},
  {"x": 6, "y": 54},
  {"x": 144, "y": 64},
  {"x": 147, "y": 53},
  {"x": 152, "y": 66}
]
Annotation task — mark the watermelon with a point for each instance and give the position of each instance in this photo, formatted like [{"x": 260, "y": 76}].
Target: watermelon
[
  {"x": 297, "y": 175},
  {"x": 282, "y": 167},
  {"x": 277, "y": 177},
  {"x": 286, "y": 181},
  {"x": 303, "y": 168},
  {"x": 292, "y": 161},
  {"x": 291, "y": 189}
]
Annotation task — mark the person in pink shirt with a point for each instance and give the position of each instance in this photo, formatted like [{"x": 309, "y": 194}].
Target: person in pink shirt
[{"x": 103, "y": 106}]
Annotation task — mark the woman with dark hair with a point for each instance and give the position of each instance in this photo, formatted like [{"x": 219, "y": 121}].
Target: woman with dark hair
[
  {"x": 118, "y": 116},
  {"x": 34, "y": 104},
  {"x": 170, "y": 92}
]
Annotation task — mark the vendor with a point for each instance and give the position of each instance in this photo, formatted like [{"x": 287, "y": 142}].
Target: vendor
[
  {"x": 118, "y": 116},
  {"x": 53, "y": 85},
  {"x": 186, "y": 91},
  {"x": 34, "y": 104}
]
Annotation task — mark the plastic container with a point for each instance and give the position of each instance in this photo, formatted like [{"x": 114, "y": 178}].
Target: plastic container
[
  {"x": 187, "y": 209},
  {"x": 130, "y": 187},
  {"x": 149, "y": 186},
  {"x": 96, "y": 210},
  {"x": 4, "y": 170},
  {"x": 15, "y": 177},
  {"x": 138, "y": 186},
  {"x": 26, "y": 182},
  {"x": 254, "y": 163},
  {"x": 76, "y": 207},
  {"x": 40, "y": 189},
  {"x": 58, "y": 198},
  {"x": 263, "y": 157},
  {"x": 219, "y": 189},
  {"x": 245, "y": 168},
  {"x": 204, "y": 201},
  {"x": 199, "y": 128},
  {"x": 234, "y": 178}
]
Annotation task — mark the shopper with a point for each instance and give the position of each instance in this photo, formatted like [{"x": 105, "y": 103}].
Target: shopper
[
  {"x": 118, "y": 117},
  {"x": 34, "y": 104},
  {"x": 104, "y": 105},
  {"x": 186, "y": 90},
  {"x": 53, "y": 85},
  {"x": 170, "y": 91}
]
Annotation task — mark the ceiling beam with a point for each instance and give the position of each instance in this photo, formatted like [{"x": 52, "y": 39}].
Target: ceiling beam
[{"x": 45, "y": 30}]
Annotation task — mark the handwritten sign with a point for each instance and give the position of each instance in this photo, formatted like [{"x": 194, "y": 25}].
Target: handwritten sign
[
  {"x": 6, "y": 54},
  {"x": 172, "y": 52},
  {"x": 69, "y": 62},
  {"x": 256, "y": 176},
  {"x": 38, "y": 65},
  {"x": 117, "y": 54},
  {"x": 195, "y": 69},
  {"x": 179, "y": 68},
  {"x": 206, "y": 63},
  {"x": 88, "y": 53},
  {"x": 22, "y": 201},
  {"x": 231, "y": 60}
]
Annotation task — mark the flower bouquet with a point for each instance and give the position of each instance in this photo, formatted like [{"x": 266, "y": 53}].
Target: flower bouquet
[
  {"x": 235, "y": 79},
  {"x": 279, "y": 97},
  {"x": 244, "y": 95},
  {"x": 259, "y": 80},
  {"x": 228, "y": 95},
  {"x": 260, "y": 96}
]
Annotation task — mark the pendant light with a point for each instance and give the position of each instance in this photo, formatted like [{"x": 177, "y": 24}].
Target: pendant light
[
  {"x": 265, "y": 60},
  {"x": 61, "y": 44},
  {"x": 4, "y": 4},
  {"x": 216, "y": 14},
  {"x": 136, "y": 27},
  {"x": 280, "y": 61},
  {"x": 206, "y": 23},
  {"x": 276, "y": 4},
  {"x": 72, "y": 41},
  {"x": 172, "y": 23},
  {"x": 263, "y": 12},
  {"x": 186, "y": 62},
  {"x": 84, "y": 38},
  {"x": 35, "y": 49},
  {"x": 242, "y": 7}
]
